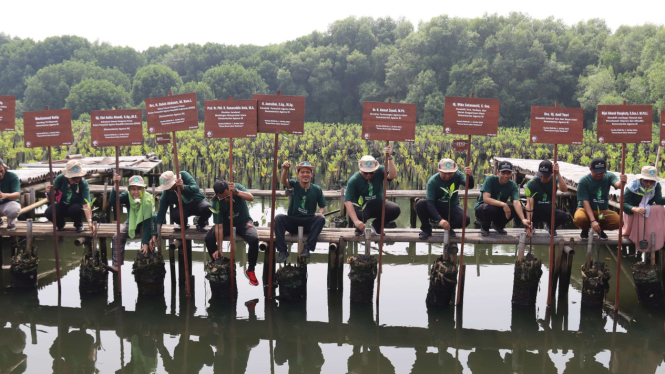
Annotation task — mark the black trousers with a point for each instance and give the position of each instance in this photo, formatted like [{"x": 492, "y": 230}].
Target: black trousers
[
  {"x": 456, "y": 215},
  {"x": 246, "y": 231},
  {"x": 374, "y": 211},
  {"x": 560, "y": 217},
  {"x": 64, "y": 210},
  {"x": 311, "y": 225},
  {"x": 487, "y": 214},
  {"x": 199, "y": 208}
]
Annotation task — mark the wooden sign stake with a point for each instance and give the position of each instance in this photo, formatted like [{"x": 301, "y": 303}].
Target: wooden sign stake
[
  {"x": 117, "y": 216},
  {"x": 620, "y": 244},
  {"x": 55, "y": 227},
  {"x": 554, "y": 184},
  {"x": 182, "y": 217},
  {"x": 462, "y": 268},
  {"x": 383, "y": 225},
  {"x": 233, "y": 239},
  {"x": 272, "y": 215}
]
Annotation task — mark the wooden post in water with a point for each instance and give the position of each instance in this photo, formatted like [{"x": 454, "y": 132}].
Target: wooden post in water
[
  {"x": 117, "y": 217},
  {"x": 552, "y": 226}
]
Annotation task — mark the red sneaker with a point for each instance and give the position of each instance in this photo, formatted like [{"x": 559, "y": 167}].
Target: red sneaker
[{"x": 252, "y": 278}]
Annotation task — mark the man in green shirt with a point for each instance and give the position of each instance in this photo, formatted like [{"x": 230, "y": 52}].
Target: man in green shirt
[
  {"x": 241, "y": 221},
  {"x": 10, "y": 192},
  {"x": 72, "y": 197},
  {"x": 364, "y": 193},
  {"x": 539, "y": 197},
  {"x": 492, "y": 208},
  {"x": 193, "y": 201},
  {"x": 593, "y": 200},
  {"x": 306, "y": 207},
  {"x": 442, "y": 200}
]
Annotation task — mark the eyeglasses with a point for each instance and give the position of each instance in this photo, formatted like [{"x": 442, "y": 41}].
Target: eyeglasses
[{"x": 368, "y": 173}]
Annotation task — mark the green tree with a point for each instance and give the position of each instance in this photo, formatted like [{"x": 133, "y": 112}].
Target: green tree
[
  {"x": 153, "y": 81},
  {"x": 125, "y": 59},
  {"x": 203, "y": 93},
  {"x": 95, "y": 94},
  {"x": 227, "y": 79}
]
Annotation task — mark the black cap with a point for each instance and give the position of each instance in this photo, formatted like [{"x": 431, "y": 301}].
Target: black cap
[
  {"x": 545, "y": 169},
  {"x": 505, "y": 166},
  {"x": 598, "y": 165}
]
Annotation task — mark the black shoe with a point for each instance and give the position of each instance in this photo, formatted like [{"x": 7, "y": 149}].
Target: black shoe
[
  {"x": 584, "y": 234},
  {"x": 11, "y": 227},
  {"x": 201, "y": 228},
  {"x": 61, "y": 229},
  {"x": 282, "y": 256},
  {"x": 178, "y": 228},
  {"x": 549, "y": 230},
  {"x": 452, "y": 233},
  {"x": 500, "y": 231},
  {"x": 251, "y": 304},
  {"x": 484, "y": 231},
  {"x": 424, "y": 235},
  {"x": 359, "y": 233},
  {"x": 375, "y": 231},
  {"x": 602, "y": 235},
  {"x": 305, "y": 253},
  {"x": 80, "y": 229}
]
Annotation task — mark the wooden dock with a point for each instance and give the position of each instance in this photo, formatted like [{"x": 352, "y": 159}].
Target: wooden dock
[{"x": 334, "y": 235}]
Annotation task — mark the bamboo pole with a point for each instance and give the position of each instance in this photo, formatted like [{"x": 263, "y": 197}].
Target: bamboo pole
[
  {"x": 182, "y": 216},
  {"x": 117, "y": 217}
]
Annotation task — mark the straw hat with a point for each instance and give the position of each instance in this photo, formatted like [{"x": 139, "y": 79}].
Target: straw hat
[
  {"x": 137, "y": 180},
  {"x": 73, "y": 169},
  {"x": 649, "y": 173},
  {"x": 167, "y": 179},
  {"x": 447, "y": 165},
  {"x": 368, "y": 164}
]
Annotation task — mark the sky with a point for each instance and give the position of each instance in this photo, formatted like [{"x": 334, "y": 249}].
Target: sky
[{"x": 145, "y": 23}]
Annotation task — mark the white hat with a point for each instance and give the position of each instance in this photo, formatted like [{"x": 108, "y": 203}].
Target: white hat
[
  {"x": 447, "y": 165},
  {"x": 73, "y": 169},
  {"x": 167, "y": 179},
  {"x": 368, "y": 164},
  {"x": 649, "y": 173},
  {"x": 137, "y": 180}
]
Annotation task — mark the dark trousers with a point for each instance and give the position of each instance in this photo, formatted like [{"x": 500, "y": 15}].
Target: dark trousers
[
  {"x": 246, "y": 231},
  {"x": 311, "y": 225},
  {"x": 199, "y": 208},
  {"x": 487, "y": 214},
  {"x": 545, "y": 216},
  {"x": 374, "y": 211},
  {"x": 456, "y": 215},
  {"x": 64, "y": 210}
]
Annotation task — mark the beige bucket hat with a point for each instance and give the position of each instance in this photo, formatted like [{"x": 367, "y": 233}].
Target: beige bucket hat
[
  {"x": 73, "y": 169},
  {"x": 447, "y": 165},
  {"x": 306, "y": 165},
  {"x": 167, "y": 179},
  {"x": 649, "y": 173},
  {"x": 137, "y": 180},
  {"x": 368, "y": 164}
]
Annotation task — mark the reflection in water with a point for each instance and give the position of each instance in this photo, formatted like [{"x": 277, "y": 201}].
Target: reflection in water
[
  {"x": 12, "y": 344},
  {"x": 366, "y": 358},
  {"x": 74, "y": 352},
  {"x": 294, "y": 345}
]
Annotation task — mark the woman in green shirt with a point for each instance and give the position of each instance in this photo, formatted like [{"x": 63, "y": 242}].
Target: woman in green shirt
[
  {"x": 643, "y": 211},
  {"x": 72, "y": 197}
]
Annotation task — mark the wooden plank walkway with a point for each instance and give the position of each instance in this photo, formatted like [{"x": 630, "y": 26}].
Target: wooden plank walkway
[{"x": 333, "y": 235}]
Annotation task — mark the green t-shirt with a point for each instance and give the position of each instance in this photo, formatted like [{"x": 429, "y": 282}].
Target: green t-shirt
[
  {"x": 240, "y": 210},
  {"x": 190, "y": 193},
  {"x": 10, "y": 184},
  {"x": 541, "y": 194},
  {"x": 435, "y": 185},
  {"x": 370, "y": 190},
  {"x": 304, "y": 203},
  {"x": 72, "y": 193},
  {"x": 596, "y": 192},
  {"x": 498, "y": 191}
]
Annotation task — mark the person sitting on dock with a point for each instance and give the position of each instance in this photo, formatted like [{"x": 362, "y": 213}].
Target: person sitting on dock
[
  {"x": 10, "y": 193},
  {"x": 593, "y": 199},
  {"x": 302, "y": 210},
  {"x": 241, "y": 221},
  {"x": 364, "y": 194},
  {"x": 539, "y": 197},
  {"x": 643, "y": 199},
  {"x": 193, "y": 201},
  {"x": 140, "y": 207},
  {"x": 72, "y": 196},
  {"x": 492, "y": 208},
  {"x": 442, "y": 201}
]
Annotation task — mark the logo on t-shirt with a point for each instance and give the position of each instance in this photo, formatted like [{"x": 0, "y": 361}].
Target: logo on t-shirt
[
  {"x": 302, "y": 208},
  {"x": 599, "y": 197}
]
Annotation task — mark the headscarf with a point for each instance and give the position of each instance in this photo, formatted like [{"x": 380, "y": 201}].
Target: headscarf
[
  {"x": 639, "y": 189},
  {"x": 140, "y": 210}
]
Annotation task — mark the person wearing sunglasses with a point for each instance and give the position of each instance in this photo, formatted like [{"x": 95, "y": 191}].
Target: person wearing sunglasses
[
  {"x": 242, "y": 221},
  {"x": 306, "y": 207},
  {"x": 193, "y": 201},
  {"x": 72, "y": 198},
  {"x": 10, "y": 193},
  {"x": 364, "y": 194},
  {"x": 643, "y": 211}
]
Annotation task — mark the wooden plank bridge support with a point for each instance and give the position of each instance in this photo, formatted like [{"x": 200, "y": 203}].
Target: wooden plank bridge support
[
  {"x": 413, "y": 217},
  {"x": 565, "y": 267}
]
